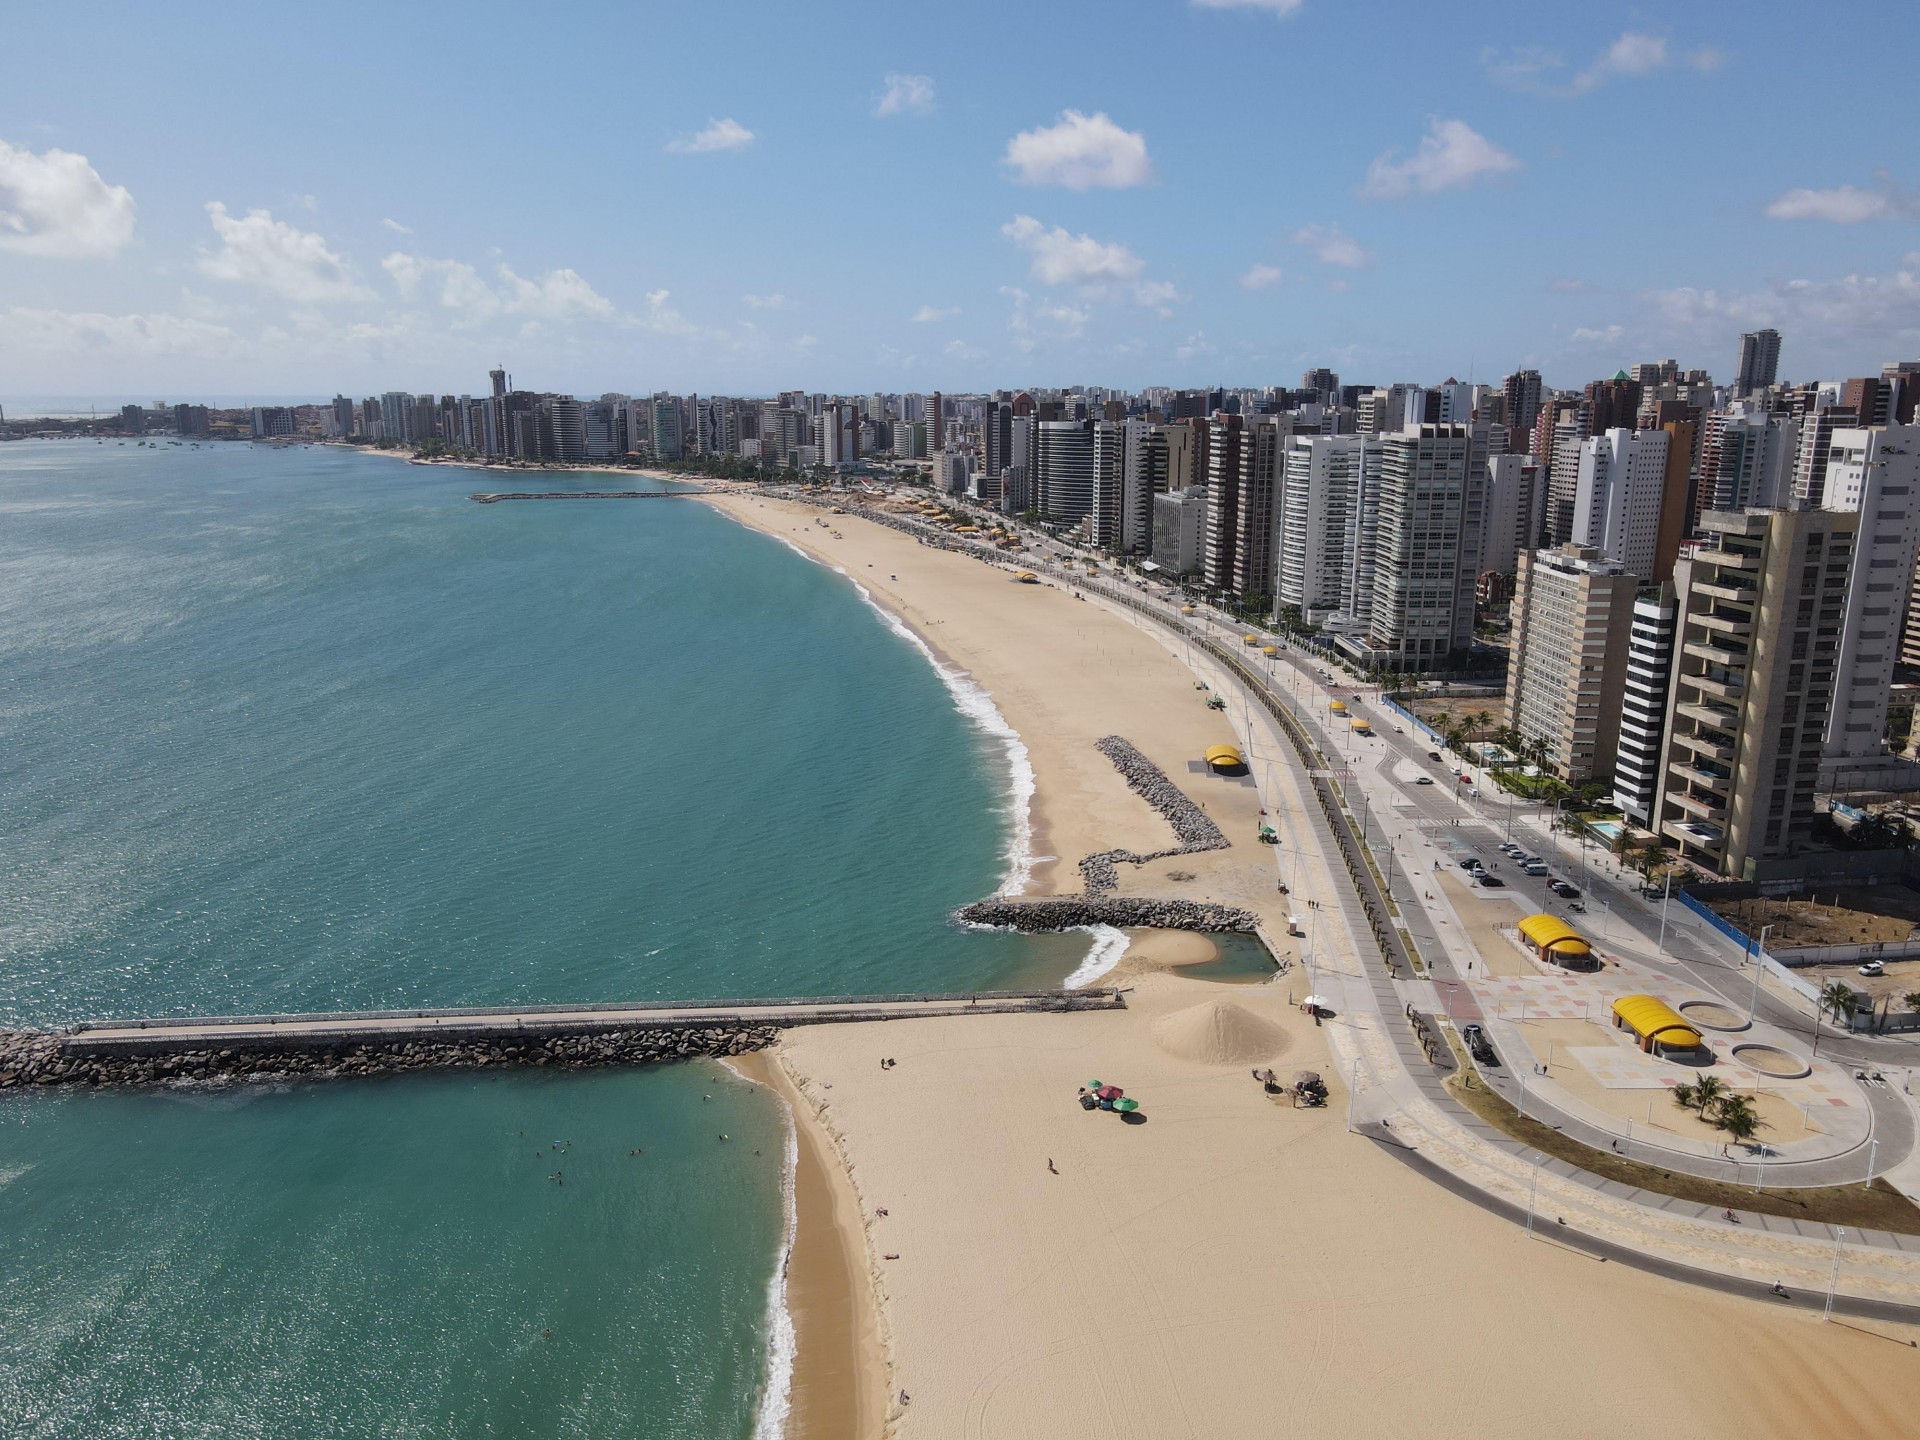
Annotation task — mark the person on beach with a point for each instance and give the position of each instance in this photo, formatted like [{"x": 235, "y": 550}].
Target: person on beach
[{"x": 1050, "y": 1169}]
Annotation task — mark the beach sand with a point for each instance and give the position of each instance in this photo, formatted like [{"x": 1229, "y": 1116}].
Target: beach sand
[{"x": 1232, "y": 1266}]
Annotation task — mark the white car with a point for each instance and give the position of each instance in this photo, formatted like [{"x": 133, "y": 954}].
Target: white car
[{"x": 1873, "y": 969}]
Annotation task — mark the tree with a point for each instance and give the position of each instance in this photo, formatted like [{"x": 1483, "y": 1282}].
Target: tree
[
  {"x": 1736, "y": 1115},
  {"x": 1837, "y": 999},
  {"x": 1683, "y": 1095},
  {"x": 1912, "y": 1001},
  {"x": 1480, "y": 720},
  {"x": 1708, "y": 1095}
]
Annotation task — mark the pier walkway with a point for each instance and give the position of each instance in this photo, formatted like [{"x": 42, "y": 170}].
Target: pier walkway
[
  {"x": 492, "y": 497},
  {"x": 323, "y": 1031}
]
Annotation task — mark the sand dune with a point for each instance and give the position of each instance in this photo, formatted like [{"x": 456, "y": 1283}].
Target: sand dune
[{"x": 1218, "y": 1032}]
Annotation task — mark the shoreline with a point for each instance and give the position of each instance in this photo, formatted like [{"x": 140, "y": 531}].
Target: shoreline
[{"x": 836, "y": 1373}]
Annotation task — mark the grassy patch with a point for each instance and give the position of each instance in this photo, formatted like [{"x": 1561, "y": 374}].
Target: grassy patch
[
  {"x": 1530, "y": 787},
  {"x": 1880, "y": 1207}
]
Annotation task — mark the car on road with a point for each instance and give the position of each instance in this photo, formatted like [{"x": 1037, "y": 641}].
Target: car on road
[
  {"x": 1873, "y": 969},
  {"x": 1490, "y": 882},
  {"x": 1479, "y": 1046},
  {"x": 1433, "y": 754},
  {"x": 1564, "y": 890},
  {"x": 1424, "y": 780},
  {"x": 1470, "y": 863}
]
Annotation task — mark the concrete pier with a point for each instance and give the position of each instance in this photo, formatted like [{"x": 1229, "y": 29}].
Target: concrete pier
[{"x": 486, "y": 497}]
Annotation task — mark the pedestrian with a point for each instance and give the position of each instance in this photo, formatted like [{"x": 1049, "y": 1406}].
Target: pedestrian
[{"x": 1050, "y": 1169}]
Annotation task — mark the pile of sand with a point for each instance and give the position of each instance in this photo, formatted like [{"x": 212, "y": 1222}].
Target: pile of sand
[{"x": 1218, "y": 1032}]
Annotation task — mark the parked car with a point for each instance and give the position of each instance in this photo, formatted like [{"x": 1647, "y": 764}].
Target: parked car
[
  {"x": 1470, "y": 863},
  {"x": 1424, "y": 780},
  {"x": 1565, "y": 891},
  {"x": 1873, "y": 968},
  {"x": 1490, "y": 882},
  {"x": 1507, "y": 847},
  {"x": 1536, "y": 870},
  {"x": 1479, "y": 1046}
]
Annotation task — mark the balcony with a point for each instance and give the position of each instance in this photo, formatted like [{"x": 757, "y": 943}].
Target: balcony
[
  {"x": 1728, "y": 687},
  {"x": 1701, "y": 807},
  {"x": 1729, "y": 559},
  {"x": 1713, "y": 746},
  {"x": 1727, "y": 622},
  {"x": 1708, "y": 838},
  {"x": 1715, "y": 654},
  {"x": 1705, "y": 712},
  {"x": 1739, "y": 592}
]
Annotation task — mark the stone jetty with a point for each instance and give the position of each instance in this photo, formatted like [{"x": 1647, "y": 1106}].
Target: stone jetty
[
  {"x": 38, "y": 1057},
  {"x": 1126, "y": 912},
  {"x": 1192, "y": 826}
]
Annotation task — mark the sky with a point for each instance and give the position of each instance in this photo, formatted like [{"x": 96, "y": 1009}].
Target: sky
[{"x": 225, "y": 199}]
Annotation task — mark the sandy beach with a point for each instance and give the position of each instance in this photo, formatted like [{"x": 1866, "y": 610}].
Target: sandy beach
[{"x": 1232, "y": 1266}]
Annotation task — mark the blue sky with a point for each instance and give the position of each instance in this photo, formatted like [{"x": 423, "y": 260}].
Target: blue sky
[{"x": 228, "y": 199}]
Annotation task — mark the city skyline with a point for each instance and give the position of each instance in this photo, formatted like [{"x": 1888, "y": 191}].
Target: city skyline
[{"x": 745, "y": 210}]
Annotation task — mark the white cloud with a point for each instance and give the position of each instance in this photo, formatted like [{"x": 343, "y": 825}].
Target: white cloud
[
  {"x": 804, "y": 343},
  {"x": 1061, "y": 258},
  {"x": 269, "y": 254},
  {"x": 719, "y": 135},
  {"x": 558, "y": 295},
  {"x": 960, "y": 350},
  {"x": 1633, "y": 55},
  {"x": 1261, "y": 277},
  {"x": 1842, "y": 205},
  {"x": 56, "y": 205},
  {"x": 764, "y": 302},
  {"x": 906, "y": 95},
  {"x": 1194, "y": 346},
  {"x": 1278, "y": 8},
  {"x": 115, "y": 337},
  {"x": 1081, "y": 152},
  {"x": 928, "y": 314},
  {"x": 396, "y": 226},
  {"x": 1036, "y": 323},
  {"x": 1452, "y": 154},
  {"x": 1331, "y": 245},
  {"x": 1608, "y": 336}
]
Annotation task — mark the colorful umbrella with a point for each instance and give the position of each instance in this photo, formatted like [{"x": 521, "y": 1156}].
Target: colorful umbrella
[
  {"x": 1108, "y": 1092},
  {"x": 1126, "y": 1107}
]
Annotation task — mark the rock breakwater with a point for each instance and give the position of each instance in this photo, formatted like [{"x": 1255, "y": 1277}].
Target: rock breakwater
[
  {"x": 30, "y": 1058},
  {"x": 1123, "y": 912},
  {"x": 1192, "y": 826}
]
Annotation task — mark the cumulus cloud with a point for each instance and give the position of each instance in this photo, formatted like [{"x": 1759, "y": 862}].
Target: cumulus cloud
[
  {"x": 1080, "y": 152},
  {"x": 56, "y": 205},
  {"x": 558, "y": 295},
  {"x": 1452, "y": 155},
  {"x": 1261, "y": 277},
  {"x": 1281, "y": 9},
  {"x": 1036, "y": 322},
  {"x": 906, "y": 95},
  {"x": 1842, "y": 205},
  {"x": 1332, "y": 246},
  {"x": 1609, "y": 335},
  {"x": 271, "y": 255},
  {"x": 1633, "y": 55},
  {"x": 65, "y": 332},
  {"x": 960, "y": 350},
  {"x": 1194, "y": 346},
  {"x": 1098, "y": 269},
  {"x": 928, "y": 314},
  {"x": 719, "y": 135},
  {"x": 396, "y": 226},
  {"x": 764, "y": 302}
]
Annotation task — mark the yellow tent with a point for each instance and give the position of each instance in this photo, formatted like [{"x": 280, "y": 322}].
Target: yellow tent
[{"x": 1225, "y": 757}]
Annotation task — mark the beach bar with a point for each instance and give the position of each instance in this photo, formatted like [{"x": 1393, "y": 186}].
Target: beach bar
[
  {"x": 1657, "y": 1026},
  {"x": 1553, "y": 940}
]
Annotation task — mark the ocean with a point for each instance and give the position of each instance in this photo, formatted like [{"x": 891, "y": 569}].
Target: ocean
[{"x": 299, "y": 729}]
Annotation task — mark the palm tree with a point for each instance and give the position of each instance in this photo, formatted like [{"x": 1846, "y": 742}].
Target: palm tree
[
  {"x": 1912, "y": 1001},
  {"x": 1739, "y": 1119},
  {"x": 1838, "y": 999},
  {"x": 1682, "y": 1095},
  {"x": 1480, "y": 720},
  {"x": 1708, "y": 1094}
]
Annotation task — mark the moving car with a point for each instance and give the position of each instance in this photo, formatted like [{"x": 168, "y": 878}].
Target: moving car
[
  {"x": 1479, "y": 1046},
  {"x": 1873, "y": 968},
  {"x": 1564, "y": 890},
  {"x": 1470, "y": 863},
  {"x": 1535, "y": 869},
  {"x": 1424, "y": 780},
  {"x": 1433, "y": 754},
  {"x": 1490, "y": 882}
]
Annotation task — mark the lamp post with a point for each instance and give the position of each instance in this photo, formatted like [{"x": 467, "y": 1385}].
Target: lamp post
[
  {"x": 1755, "y": 956},
  {"x": 1533, "y": 1186},
  {"x": 1661, "y": 948},
  {"x": 1833, "y": 1275}
]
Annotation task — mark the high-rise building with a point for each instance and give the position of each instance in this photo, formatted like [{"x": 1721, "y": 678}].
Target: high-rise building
[
  {"x": 1572, "y": 616},
  {"x": 1521, "y": 392},
  {"x": 1874, "y": 473},
  {"x": 1619, "y": 495},
  {"x": 1261, "y": 469},
  {"x": 937, "y": 421},
  {"x": 269, "y": 421},
  {"x": 1062, "y": 473},
  {"x": 1643, "y": 705},
  {"x": 1759, "y": 361},
  {"x": 1746, "y": 461},
  {"x": 1217, "y": 562},
  {"x": 133, "y": 420},
  {"x": 665, "y": 428},
  {"x": 1319, "y": 509},
  {"x": 1179, "y": 525},
  {"x": 192, "y": 420},
  {"x": 1516, "y": 501},
  {"x": 1106, "y": 521},
  {"x": 1757, "y": 649},
  {"x": 1413, "y": 552}
]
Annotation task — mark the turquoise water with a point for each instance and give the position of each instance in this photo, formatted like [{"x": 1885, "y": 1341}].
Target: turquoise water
[
  {"x": 1608, "y": 830},
  {"x": 305, "y": 729}
]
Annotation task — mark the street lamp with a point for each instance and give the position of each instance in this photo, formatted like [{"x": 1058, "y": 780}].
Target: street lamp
[
  {"x": 1533, "y": 1185},
  {"x": 1754, "y": 957},
  {"x": 1833, "y": 1275}
]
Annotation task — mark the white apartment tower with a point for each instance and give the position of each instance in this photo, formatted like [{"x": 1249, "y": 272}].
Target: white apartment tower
[
  {"x": 1617, "y": 496},
  {"x": 1872, "y": 473}
]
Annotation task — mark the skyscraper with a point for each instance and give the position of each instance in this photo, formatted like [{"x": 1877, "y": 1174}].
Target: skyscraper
[
  {"x": 1643, "y": 705},
  {"x": 1572, "y": 614},
  {"x": 1410, "y": 548},
  {"x": 1756, "y": 652},
  {"x": 1759, "y": 361},
  {"x": 1522, "y": 394},
  {"x": 1618, "y": 497},
  {"x": 1875, "y": 474}
]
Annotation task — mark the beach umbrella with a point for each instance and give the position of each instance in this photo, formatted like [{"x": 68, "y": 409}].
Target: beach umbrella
[
  {"x": 1108, "y": 1092},
  {"x": 1126, "y": 1107},
  {"x": 1318, "y": 1002}
]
